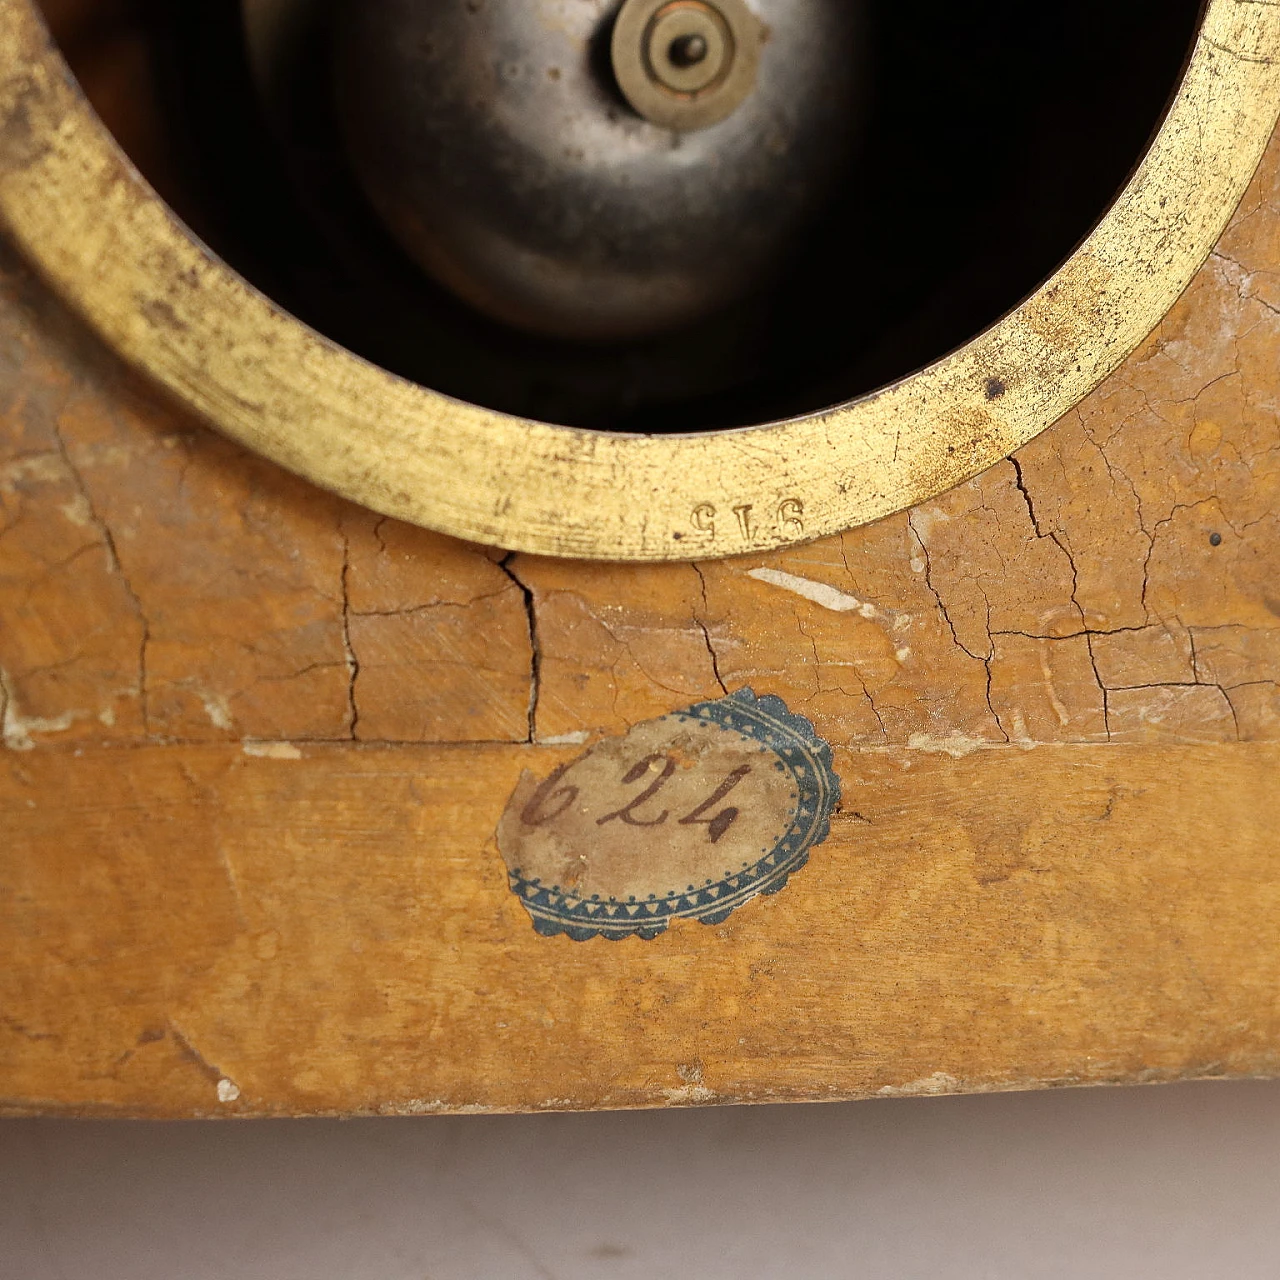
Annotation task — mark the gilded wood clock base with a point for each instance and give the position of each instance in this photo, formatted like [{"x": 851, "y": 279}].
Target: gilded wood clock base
[{"x": 258, "y": 742}]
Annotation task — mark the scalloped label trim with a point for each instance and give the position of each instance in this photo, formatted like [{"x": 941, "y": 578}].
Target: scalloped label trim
[{"x": 685, "y": 817}]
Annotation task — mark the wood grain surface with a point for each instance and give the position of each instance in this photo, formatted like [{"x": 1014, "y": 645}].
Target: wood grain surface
[
  {"x": 195, "y": 931},
  {"x": 257, "y": 741}
]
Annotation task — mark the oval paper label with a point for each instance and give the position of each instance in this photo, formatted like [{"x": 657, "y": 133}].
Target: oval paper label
[{"x": 686, "y": 817}]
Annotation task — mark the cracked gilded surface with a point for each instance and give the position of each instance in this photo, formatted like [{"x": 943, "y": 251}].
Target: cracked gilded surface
[
  {"x": 1115, "y": 579},
  {"x": 161, "y": 584}
]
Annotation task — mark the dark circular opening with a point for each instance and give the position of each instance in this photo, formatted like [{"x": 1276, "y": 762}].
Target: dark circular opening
[
  {"x": 995, "y": 138},
  {"x": 688, "y": 51}
]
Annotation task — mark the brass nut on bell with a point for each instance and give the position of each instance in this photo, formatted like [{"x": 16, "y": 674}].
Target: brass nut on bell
[{"x": 686, "y": 64}]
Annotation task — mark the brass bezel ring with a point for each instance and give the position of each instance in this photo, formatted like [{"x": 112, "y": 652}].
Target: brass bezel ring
[{"x": 115, "y": 251}]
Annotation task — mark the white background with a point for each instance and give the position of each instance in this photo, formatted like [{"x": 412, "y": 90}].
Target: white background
[{"x": 1168, "y": 1182}]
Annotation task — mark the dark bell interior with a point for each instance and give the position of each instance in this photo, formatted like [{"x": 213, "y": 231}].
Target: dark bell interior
[{"x": 992, "y": 137}]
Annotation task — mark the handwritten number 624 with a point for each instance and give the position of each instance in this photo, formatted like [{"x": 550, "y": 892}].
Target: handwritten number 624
[{"x": 551, "y": 799}]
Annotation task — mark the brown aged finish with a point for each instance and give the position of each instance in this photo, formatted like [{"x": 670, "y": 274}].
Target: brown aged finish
[
  {"x": 333, "y": 933},
  {"x": 258, "y": 741}
]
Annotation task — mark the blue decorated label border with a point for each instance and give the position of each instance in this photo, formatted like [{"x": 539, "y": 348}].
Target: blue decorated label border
[{"x": 807, "y": 758}]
